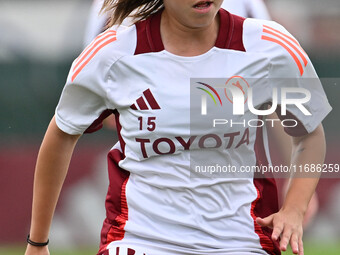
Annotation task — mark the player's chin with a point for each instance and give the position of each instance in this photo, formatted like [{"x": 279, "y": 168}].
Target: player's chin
[{"x": 200, "y": 21}]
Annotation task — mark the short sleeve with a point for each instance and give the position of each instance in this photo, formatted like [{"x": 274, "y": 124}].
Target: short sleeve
[
  {"x": 308, "y": 104},
  {"x": 84, "y": 98},
  {"x": 79, "y": 106},
  {"x": 295, "y": 79}
]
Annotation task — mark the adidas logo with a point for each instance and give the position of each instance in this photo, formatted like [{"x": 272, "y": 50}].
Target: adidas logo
[{"x": 146, "y": 102}]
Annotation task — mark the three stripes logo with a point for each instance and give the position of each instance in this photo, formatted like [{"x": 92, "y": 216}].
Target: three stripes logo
[
  {"x": 146, "y": 102},
  {"x": 288, "y": 43},
  {"x": 90, "y": 51}
]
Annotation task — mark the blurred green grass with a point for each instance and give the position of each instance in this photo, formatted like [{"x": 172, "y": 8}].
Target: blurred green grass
[
  {"x": 310, "y": 249},
  {"x": 319, "y": 249}
]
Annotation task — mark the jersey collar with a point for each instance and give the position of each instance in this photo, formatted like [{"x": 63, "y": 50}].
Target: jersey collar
[{"x": 229, "y": 34}]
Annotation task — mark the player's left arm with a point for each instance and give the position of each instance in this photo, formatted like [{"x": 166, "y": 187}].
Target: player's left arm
[{"x": 288, "y": 222}]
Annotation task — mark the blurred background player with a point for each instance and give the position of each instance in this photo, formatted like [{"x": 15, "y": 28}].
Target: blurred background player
[
  {"x": 97, "y": 22},
  {"x": 247, "y": 8}
]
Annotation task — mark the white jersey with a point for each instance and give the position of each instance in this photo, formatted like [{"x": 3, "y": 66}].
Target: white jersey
[{"x": 152, "y": 200}]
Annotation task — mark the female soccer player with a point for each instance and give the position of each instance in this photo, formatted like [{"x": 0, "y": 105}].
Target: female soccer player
[{"x": 142, "y": 75}]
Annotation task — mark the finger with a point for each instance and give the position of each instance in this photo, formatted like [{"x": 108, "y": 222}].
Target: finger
[
  {"x": 265, "y": 222},
  {"x": 286, "y": 236},
  {"x": 301, "y": 251},
  {"x": 294, "y": 243},
  {"x": 277, "y": 230}
]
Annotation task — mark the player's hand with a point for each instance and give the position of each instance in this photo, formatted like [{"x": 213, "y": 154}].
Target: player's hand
[
  {"x": 286, "y": 223},
  {"x": 34, "y": 250}
]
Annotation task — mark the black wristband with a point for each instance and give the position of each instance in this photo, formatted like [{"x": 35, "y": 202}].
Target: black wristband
[{"x": 36, "y": 244}]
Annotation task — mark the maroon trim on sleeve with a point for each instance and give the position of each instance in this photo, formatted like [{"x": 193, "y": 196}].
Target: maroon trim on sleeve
[
  {"x": 299, "y": 130},
  {"x": 119, "y": 129},
  {"x": 230, "y": 35},
  {"x": 98, "y": 123}
]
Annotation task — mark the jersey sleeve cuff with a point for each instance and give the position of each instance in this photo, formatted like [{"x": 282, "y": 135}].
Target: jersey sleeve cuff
[
  {"x": 318, "y": 118},
  {"x": 67, "y": 127},
  {"x": 305, "y": 128}
]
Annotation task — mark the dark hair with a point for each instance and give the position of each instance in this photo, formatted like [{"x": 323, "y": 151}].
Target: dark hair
[{"x": 118, "y": 10}]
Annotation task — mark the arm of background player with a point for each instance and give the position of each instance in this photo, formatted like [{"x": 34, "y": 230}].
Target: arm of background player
[
  {"x": 95, "y": 23},
  {"x": 52, "y": 165},
  {"x": 307, "y": 150},
  {"x": 257, "y": 9}
]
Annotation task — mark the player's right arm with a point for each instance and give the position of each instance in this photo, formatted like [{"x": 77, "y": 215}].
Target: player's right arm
[
  {"x": 85, "y": 99},
  {"x": 51, "y": 168}
]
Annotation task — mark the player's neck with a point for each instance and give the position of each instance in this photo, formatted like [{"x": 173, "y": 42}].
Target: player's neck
[{"x": 185, "y": 41}]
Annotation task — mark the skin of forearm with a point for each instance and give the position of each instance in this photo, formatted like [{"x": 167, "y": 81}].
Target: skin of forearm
[
  {"x": 307, "y": 150},
  {"x": 51, "y": 168}
]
